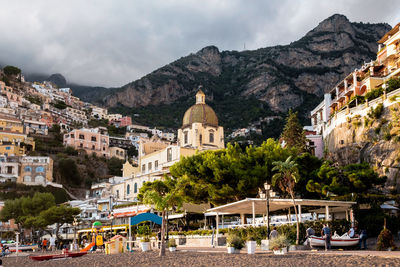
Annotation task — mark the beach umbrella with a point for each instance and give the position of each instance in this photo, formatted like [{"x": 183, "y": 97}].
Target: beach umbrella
[{"x": 97, "y": 225}]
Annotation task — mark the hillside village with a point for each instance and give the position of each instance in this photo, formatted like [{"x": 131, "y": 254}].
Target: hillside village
[{"x": 33, "y": 114}]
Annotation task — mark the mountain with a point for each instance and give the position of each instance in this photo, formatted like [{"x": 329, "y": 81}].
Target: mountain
[{"x": 245, "y": 86}]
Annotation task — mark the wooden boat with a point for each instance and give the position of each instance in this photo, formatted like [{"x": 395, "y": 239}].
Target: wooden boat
[
  {"x": 336, "y": 241},
  {"x": 58, "y": 256}
]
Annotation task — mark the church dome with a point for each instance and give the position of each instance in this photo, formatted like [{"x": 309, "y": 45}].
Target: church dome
[{"x": 200, "y": 112}]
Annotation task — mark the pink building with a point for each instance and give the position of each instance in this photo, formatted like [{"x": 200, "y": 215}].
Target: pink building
[
  {"x": 316, "y": 143},
  {"x": 91, "y": 140},
  {"x": 122, "y": 122}
]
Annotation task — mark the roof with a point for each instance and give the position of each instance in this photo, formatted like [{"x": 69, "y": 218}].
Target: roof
[
  {"x": 245, "y": 206},
  {"x": 389, "y": 33},
  {"x": 201, "y": 113}
]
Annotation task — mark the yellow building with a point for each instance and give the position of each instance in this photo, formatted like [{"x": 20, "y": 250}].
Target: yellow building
[
  {"x": 128, "y": 170},
  {"x": 36, "y": 170},
  {"x": 200, "y": 129},
  {"x": 13, "y": 139}
]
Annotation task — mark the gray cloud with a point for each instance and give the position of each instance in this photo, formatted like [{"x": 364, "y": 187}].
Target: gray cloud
[{"x": 111, "y": 43}]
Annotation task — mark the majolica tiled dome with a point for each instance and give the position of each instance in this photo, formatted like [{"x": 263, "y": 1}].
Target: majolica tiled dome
[{"x": 200, "y": 112}]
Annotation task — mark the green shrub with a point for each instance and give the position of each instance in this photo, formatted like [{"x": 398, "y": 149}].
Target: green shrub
[
  {"x": 376, "y": 112},
  {"x": 279, "y": 242},
  {"x": 393, "y": 84},
  {"x": 385, "y": 240},
  {"x": 377, "y": 130},
  {"x": 387, "y": 136},
  {"x": 375, "y": 93},
  {"x": 366, "y": 122},
  {"x": 172, "y": 243},
  {"x": 235, "y": 241}
]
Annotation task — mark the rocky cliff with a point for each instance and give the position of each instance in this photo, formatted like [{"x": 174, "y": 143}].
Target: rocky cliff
[
  {"x": 273, "y": 78},
  {"x": 373, "y": 138}
]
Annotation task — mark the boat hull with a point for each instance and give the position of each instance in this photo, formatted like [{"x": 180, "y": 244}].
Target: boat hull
[
  {"x": 316, "y": 241},
  {"x": 23, "y": 248},
  {"x": 58, "y": 256}
]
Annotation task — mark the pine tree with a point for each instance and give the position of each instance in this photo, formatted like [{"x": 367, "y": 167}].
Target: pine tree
[{"x": 293, "y": 133}]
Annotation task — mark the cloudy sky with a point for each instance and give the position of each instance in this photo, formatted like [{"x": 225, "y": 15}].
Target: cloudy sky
[{"x": 110, "y": 43}]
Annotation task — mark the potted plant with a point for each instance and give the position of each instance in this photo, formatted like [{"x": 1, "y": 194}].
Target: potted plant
[
  {"x": 172, "y": 244},
  {"x": 385, "y": 240},
  {"x": 144, "y": 232},
  {"x": 279, "y": 244},
  {"x": 234, "y": 243},
  {"x": 251, "y": 243}
]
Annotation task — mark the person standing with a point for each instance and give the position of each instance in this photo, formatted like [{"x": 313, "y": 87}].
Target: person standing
[
  {"x": 326, "y": 233},
  {"x": 363, "y": 239},
  {"x": 52, "y": 246},
  {"x": 274, "y": 233},
  {"x": 44, "y": 245}
]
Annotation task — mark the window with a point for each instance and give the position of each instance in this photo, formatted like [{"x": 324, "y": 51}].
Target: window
[
  {"x": 9, "y": 169},
  {"x": 39, "y": 169},
  {"x": 135, "y": 188},
  {"x": 39, "y": 179},
  {"x": 81, "y": 145},
  {"x": 201, "y": 139},
  {"x": 149, "y": 166},
  {"x": 143, "y": 167},
  {"x": 72, "y": 136},
  {"x": 81, "y": 136},
  {"x": 185, "y": 134},
  {"x": 28, "y": 169},
  {"x": 128, "y": 189},
  {"x": 211, "y": 137},
  {"x": 118, "y": 194},
  {"x": 169, "y": 154},
  {"x": 93, "y": 138},
  {"x": 8, "y": 148},
  {"x": 156, "y": 165},
  {"x": 27, "y": 179},
  {"x": 93, "y": 147}
]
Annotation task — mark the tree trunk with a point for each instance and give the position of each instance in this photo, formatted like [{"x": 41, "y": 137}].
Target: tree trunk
[
  {"x": 162, "y": 247},
  {"x": 297, "y": 219}
]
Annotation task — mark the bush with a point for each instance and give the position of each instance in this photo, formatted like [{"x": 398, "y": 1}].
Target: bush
[
  {"x": 279, "y": 242},
  {"x": 375, "y": 93},
  {"x": 235, "y": 241},
  {"x": 172, "y": 243},
  {"x": 385, "y": 240},
  {"x": 377, "y": 112},
  {"x": 393, "y": 84}
]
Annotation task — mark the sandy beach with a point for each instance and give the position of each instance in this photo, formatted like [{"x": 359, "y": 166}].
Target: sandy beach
[{"x": 192, "y": 258}]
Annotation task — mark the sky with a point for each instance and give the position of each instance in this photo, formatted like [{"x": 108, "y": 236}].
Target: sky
[{"x": 111, "y": 43}]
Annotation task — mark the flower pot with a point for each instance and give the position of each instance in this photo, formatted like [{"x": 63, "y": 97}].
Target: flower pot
[
  {"x": 251, "y": 247},
  {"x": 232, "y": 250},
  {"x": 172, "y": 249},
  {"x": 281, "y": 251},
  {"x": 145, "y": 246}
]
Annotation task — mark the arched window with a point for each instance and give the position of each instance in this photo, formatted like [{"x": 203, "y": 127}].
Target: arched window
[
  {"x": 128, "y": 189},
  {"x": 27, "y": 179},
  {"x": 211, "y": 137},
  {"x": 28, "y": 169},
  {"x": 39, "y": 179},
  {"x": 185, "y": 137},
  {"x": 135, "y": 188},
  {"x": 39, "y": 169}
]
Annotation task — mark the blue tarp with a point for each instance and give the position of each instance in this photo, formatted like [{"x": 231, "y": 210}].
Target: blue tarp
[{"x": 143, "y": 217}]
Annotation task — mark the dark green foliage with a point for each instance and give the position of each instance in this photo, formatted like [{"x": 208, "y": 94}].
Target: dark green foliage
[
  {"x": 227, "y": 175},
  {"x": 293, "y": 133},
  {"x": 385, "y": 240},
  {"x": 12, "y": 190},
  {"x": 353, "y": 178},
  {"x": 69, "y": 171},
  {"x": 116, "y": 131},
  {"x": 115, "y": 166},
  {"x": 375, "y": 113},
  {"x": 393, "y": 84},
  {"x": 96, "y": 123},
  {"x": 11, "y": 70},
  {"x": 375, "y": 93},
  {"x": 59, "y": 104},
  {"x": 34, "y": 99}
]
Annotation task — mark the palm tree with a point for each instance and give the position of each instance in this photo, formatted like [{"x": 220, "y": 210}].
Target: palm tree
[
  {"x": 286, "y": 177},
  {"x": 162, "y": 194}
]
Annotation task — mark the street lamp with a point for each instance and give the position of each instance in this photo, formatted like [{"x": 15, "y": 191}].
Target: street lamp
[
  {"x": 268, "y": 193},
  {"x": 112, "y": 218},
  {"x": 75, "y": 223}
]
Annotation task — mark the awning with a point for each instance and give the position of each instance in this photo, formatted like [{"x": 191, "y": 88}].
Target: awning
[
  {"x": 245, "y": 206},
  {"x": 388, "y": 207},
  {"x": 175, "y": 216}
]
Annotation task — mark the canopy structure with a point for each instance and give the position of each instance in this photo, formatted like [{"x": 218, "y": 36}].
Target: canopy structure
[{"x": 256, "y": 206}]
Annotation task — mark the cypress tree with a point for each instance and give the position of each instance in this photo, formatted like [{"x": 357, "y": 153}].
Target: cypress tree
[{"x": 293, "y": 133}]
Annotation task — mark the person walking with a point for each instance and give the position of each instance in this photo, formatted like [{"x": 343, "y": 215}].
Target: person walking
[
  {"x": 326, "y": 233},
  {"x": 52, "y": 246},
  {"x": 44, "y": 245},
  {"x": 363, "y": 239}
]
